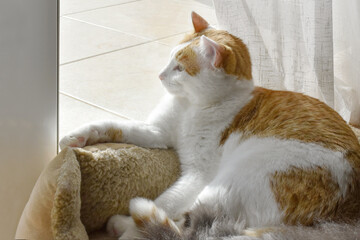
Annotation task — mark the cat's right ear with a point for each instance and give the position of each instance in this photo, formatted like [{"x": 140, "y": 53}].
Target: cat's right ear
[
  {"x": 199, "y": 23},
  {"x": 213, "y": 51}
]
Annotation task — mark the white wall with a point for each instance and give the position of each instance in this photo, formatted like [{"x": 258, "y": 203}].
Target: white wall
[{"x": 28, "y": 101}]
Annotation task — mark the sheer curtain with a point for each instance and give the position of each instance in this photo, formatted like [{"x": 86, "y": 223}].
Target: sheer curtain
[
  {"x": 304, "y": 46},
  {"x": 346, "y": 18}
]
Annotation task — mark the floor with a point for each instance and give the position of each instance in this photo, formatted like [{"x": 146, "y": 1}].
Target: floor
[{"x": 111, "y": 52}]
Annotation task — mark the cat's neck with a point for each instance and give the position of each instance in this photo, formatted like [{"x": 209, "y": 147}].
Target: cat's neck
[{"x": 237, "y": 92}]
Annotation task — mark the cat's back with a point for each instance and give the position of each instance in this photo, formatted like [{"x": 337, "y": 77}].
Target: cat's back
[
  {"x": 297, "y": 122},
  {"x": 290, "y": 115}
]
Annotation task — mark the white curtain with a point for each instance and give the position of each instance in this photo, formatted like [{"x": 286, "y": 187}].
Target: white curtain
[
  {"x": 346, "y": 25},
  {"x": 305, "y": 46}
]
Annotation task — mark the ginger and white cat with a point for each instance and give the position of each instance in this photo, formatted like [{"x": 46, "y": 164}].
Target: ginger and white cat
[{"x": 254, "y": 161}]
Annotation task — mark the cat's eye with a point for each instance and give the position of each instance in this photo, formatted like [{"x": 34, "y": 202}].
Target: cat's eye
[{"x": 179, "y": 68}]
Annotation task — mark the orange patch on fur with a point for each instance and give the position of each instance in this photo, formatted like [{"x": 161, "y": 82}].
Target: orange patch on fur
[
  {"x": 166, "y": 222},
  {"x": 306, "y": 195},
  {"x": 188, "y": 58},
  {"x": 349, "y": 208},
  {"x": 290, "y": 115},
  {"x": 236, "y": 59},
  {"x": 309, "y": 195},
  {"x": 140, "y": 221}
]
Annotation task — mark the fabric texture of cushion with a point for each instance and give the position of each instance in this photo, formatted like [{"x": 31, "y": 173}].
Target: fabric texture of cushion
[{"x": 81, "y": 188}]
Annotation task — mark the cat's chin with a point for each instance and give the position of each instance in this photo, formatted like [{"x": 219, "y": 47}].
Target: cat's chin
[
  {"x": 174, "y": 91},
  {"x": 177, "y": 94}
]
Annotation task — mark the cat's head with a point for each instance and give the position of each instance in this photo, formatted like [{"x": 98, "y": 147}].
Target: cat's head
[{"x": 207, "y": 63}]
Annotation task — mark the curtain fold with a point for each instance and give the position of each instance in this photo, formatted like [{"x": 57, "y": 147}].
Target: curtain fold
[
  {"x": 346, "y": 18},
  {"x": 293, "y": 46}
]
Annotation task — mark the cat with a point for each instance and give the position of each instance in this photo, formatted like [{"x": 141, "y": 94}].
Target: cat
[{"x": 256, "y": 163}]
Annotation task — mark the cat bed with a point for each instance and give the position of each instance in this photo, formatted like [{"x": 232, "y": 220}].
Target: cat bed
[{"x": 81, "y": 188}]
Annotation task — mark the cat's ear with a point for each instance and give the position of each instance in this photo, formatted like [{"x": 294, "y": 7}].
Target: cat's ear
[
  {"x": 213, "y": 51},
  {"x": 199, "y": 23}
]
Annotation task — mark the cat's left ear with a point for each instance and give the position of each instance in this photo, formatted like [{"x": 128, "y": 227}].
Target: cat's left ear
[
  {"x": 199, "y": 23},
  {"x": 213, "y": 51}
]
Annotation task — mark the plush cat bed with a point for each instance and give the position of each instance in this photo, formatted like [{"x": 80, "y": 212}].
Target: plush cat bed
[{"x": 81, "y": 188}]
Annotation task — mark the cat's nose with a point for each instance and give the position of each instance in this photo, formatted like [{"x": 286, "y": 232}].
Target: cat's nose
[{"x": 162, "y": 76}]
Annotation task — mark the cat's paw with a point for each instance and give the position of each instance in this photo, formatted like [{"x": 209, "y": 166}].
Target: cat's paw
[
  {"x": 144, "y": 211},
  {"x": 117, "y": 225},
  {"x": 81, "y": 137},
  {"x": 72, "y": 141}
]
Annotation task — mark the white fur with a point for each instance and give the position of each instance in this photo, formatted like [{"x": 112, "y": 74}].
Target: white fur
[
  {"x": 118, "y": 224},
  {"x": 243, "y": 180},
  {"x": 191, "y": 119}
]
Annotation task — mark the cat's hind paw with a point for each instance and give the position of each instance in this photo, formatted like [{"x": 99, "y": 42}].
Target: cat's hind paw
[
  {"x": 145, "y": 214},
  {"x": 118, "y": 224}
]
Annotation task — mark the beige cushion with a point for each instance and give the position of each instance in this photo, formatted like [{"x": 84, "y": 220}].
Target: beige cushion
[{"x": 81, "y": 188}]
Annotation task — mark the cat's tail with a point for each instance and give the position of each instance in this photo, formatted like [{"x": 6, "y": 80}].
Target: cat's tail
[{"x": 211, "y": 223}]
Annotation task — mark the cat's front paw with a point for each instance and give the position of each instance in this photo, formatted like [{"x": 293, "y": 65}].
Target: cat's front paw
[
  {"x": 82, "y": 137},
  {"x": 79, "y": 139},
  {"x": 72, "y": 141}
]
